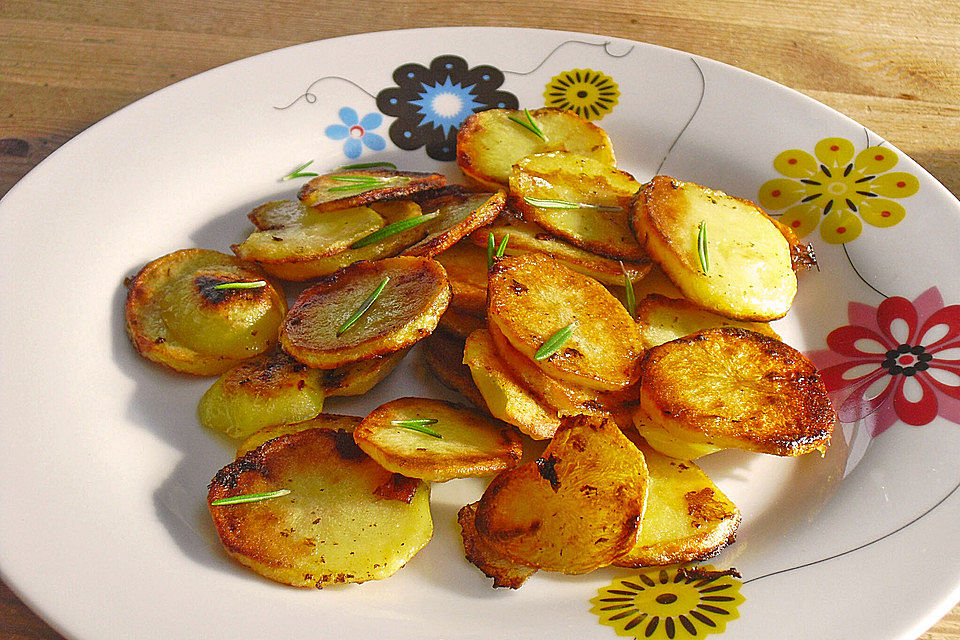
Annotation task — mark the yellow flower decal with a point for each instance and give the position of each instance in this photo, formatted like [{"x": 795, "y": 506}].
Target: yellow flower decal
[
  {"x": 588, "y": 93},
  {"x": 837, "y": 189},
  {"x": 675, "y": 603}
]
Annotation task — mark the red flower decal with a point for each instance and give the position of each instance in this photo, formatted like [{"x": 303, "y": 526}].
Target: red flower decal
[{"x": 898, "y": 361}]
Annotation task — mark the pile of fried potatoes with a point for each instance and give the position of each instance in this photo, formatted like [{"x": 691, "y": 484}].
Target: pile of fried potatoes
[{"x": 626, "y": 325}]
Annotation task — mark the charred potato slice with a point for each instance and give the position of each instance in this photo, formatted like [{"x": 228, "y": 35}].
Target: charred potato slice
[
  {"x": 407, "y": 310},
  {"x": 504, "y": 571},
  {"x": 574, "y": 509},
  {"x": 443, "y": 354},
  {"x": 749, "y": 273},
  {"x": 356, "y": 378},
  {"x": 460, "y": 323},
  {"x": 467, "y": 443},
  {"x": 345, "y": 189},
  {"x": 663, "y": 319},
  {"x": 332, "y": 527},
  {"x": 531, "y": 297},
  {"x": 457, "y": 217},
  {"x": 602, "y": 225},
  {"x": 733, "y": 388},
  {"x": 466, "y": 267},
  {"x": 331, "y": 421},
  {"x": 526, "y": 237},
  {"x": 272, "y": 388},
  {"x": 177, "y": 317},
  {"x": 504, "y": 396},
  {"x": 687, "y": 516},
  {"x": 489, "y": 143}
]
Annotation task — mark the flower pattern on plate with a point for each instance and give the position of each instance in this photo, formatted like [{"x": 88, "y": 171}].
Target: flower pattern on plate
[
  {"x": 357, "y": 131},
  {"x": 430, "y": 103},
  {"x": 669, "y": 603},
  {"x": 837, "y": 189},
  {"x": 588, "y": 93},
  {"x": 898, "y": 361}
]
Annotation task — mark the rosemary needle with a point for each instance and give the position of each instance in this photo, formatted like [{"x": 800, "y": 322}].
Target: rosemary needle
[
  {"x": 362, "y": 309},
  {"x": 529, "y": 125},
  {"x": 251, "y": 497},
  {"x": 552, "y": 344},
  {"x": 391, "y": 229},
  {"x": 256, "y": 284},
  {"x": 702, "y": 247},
  {"x": 299, "y": 173},
  {"x": 368, "y": 165},
  {"x": 546, "y": 203},
  {"x": 418, "y": 424},
  {"x": 631, "y": 296}
]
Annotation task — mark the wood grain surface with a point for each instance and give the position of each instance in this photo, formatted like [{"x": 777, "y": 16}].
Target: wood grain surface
[{"x": 65, "y": 64}]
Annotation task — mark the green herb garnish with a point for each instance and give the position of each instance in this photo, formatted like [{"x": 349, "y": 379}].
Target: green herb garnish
[
  {"x": 503, "y": 245},
  {"x": 553, "y": 343},
  {"x": 251, "y": 497},
  {"x": 362, "y": 309},
  {"x": 299, "y": 173},
  {"x": 529, "y": 125},
  {"x": 702, "y": 247},
  {"x": 368, "y": 165},
  {"x": 631, "y": 296},
  {"x": 359, "y": 183},
  {"x": 256, "y": 284},
  {"x": 391, "y": 229},
  {"x": 418, "y": 424},
  {"x": 493, "y": 251},
  {"x": 544, "y": 203}
]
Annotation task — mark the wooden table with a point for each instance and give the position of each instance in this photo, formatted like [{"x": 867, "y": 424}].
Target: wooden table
[{"x": 65, "y": 64}]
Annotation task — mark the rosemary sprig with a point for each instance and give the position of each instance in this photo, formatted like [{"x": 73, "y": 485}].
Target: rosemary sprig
[
  {"x": 391, "y": 229},
  {"x": 529, "y": 125},
  {"x": 256, "y": 284},
  {"x": 418, "y": 424},
  {"x": 362, "y": 309},
  {"x": 355, "y": 183},
  {"x": 503, "y": 245},
  {"x": 251, "y": 497},
  {"x": 702, "y": 247},
  {"x": 368, "y": 165},
  {"x": 494, "y": 251},
  {"x": 299, "y": 173},
  {"x": 545, "y": 203},
  {"x": 631, "y": 295},
  {"x": 552, "y": 344}
]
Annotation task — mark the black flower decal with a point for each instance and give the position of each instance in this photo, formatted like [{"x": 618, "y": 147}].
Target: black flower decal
[{"x": 430, "y": 103}]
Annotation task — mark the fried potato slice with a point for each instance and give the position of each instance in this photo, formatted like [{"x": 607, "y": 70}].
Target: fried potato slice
[
  {"x": 272, "y": 388},
  {"x": 504, "y": 396},
  {"x": 460, "y": 323},
  {"x": 469, "y": 443},
  {"x": 663, "y": 319},
  {"x": 466, "y": 267},
  {"x": 332, "y": 421},
  {"x": 602, "y": 226},
  {"x": 176, "y": 317},
  {"x": 733, "y": 388},
  {"x": 531, "y": 297},
  {"x": 687, "y": 517},
  {"x": 407, "y": 310},
  {"x": 504, "y": 571},
  {"x": 457, "y": 217},
  {"x": 356, "y": 187},
  {"x": 443, "y": 354},
  {"x": 574, "y": 509},
  {"x": 356, "y": 378},
  {"x": 749, "y": 273},
  {"x": 526, "y": 237},
  {"x": 489, "y": 143},
  {"x": 332, "y": 527}
]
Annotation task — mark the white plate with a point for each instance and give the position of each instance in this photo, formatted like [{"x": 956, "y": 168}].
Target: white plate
[{"x": 103, "y": 528}]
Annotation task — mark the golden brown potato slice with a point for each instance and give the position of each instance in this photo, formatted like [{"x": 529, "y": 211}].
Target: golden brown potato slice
[
  {"x": 733, "y": 388},
  {"x": 443, "y": 354},
  {"x": 331, "y": 421},
  {"x": 466, "y": 267},
  {"x": 178, "y": 317},
  {"x": 504, "y": 571},
  {"x": 356, "y": 378},
  {"x": 489, "y": 143},
  {"x": 272, "y": 388},
  {"x": 663, "y": 319},
  {"x": 526, "y": 237},
  {"x": 574, "y": 509},
  {"x": 406, "y": 311},
  {"x": 356, "y": 187},
  {"x": 457, "y": 217},
  {"x": 543, "y": 186},
  {"x": 687, "y": 516},
  {"x": 744, "y": 269},
  {"x": 531, "y": 297},
  {"x": 460, "y": 324},
  {"x": 331, "y": 527},
  {"x": 504, "y": 396},
  {"x": 460, "y": 444}
]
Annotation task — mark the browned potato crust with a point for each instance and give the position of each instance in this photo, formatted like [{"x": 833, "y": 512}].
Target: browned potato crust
[
  {"x": 333, "y": 421},
  {"x": 329, "y": 192},
  {"x": 466, "y": 267},
  {"x": 443, "y": 354},
  {"x": 356, "y": 378},
  {"x": 460, "y": 323},
  {"x": 504, "y": 571},
  {"x": 457, "y": 217}
]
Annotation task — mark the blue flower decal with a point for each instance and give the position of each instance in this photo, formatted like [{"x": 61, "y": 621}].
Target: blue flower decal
[{"x": 357, "y": 132}]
